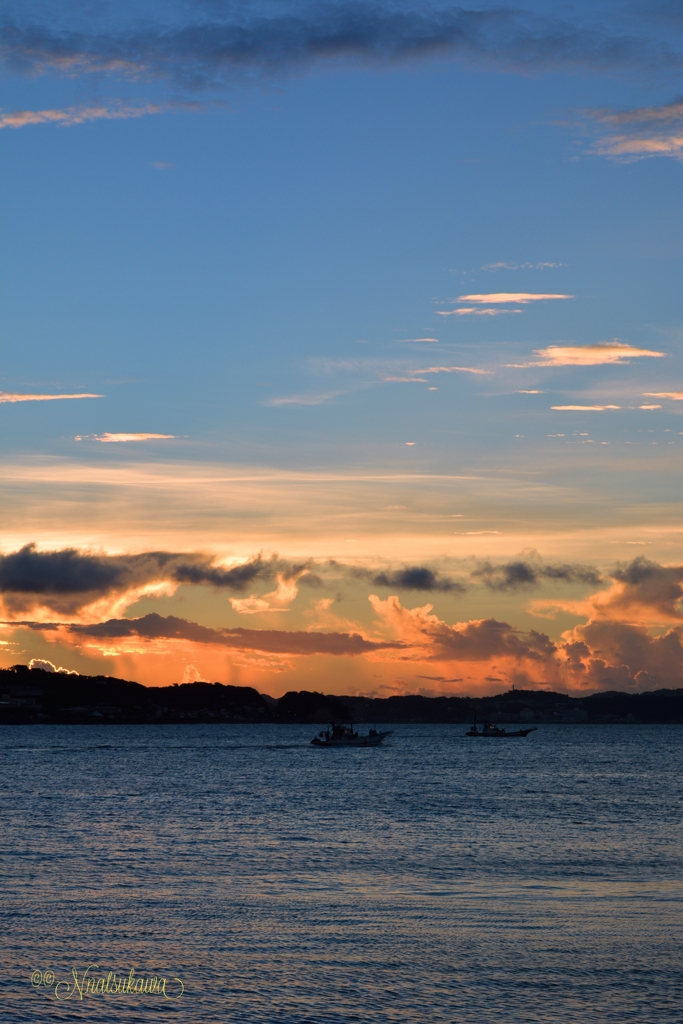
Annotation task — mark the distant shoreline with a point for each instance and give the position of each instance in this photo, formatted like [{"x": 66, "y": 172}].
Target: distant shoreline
[{"x": 35, "y": 696}]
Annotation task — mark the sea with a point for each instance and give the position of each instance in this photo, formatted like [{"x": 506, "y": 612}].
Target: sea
[{"x": 244, "y": 876}]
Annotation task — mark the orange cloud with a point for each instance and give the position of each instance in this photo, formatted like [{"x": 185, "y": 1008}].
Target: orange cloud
[
  {"x": 122, "y": 438},
  {"x": 475, "y": 311},
  {"x": 76, "y": 115},
  {"x": 634, "y": 147},
  {"x": 642, "y": 132},
  {"x": 600, "y": 354},
  {"x": 518, "y": 298},
  {"x": 277, "y": 600},
  {"x": 6, "y": 396}
]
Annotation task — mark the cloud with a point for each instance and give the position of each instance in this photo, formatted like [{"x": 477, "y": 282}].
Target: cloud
[
  {"x": 6, "y": 396},
  {"x": 48, "y": 666},
  {"x": 642, "y": 592},
  {"x": 320, "y": 399},
  {"x": 583, "y": 408},
  {"x": 72, "y": 582},
  {"x": 405, "y": 380},
  {"x": 201, "y": 45},
  {"x": 476, "y": 640},
  {"x": 614, "y": 655},
  {"x": 77, "y": 115},
  {"x": 523, "y": 574},
  {"x": 668, "y": 113},
  {"x": 675, "y": 396},
  {"x": 639, "y": 133},
  {"x": 649, "y": 407},
  {"x": 68, "y": 581},
  {"x": 602, "y": 353},
  {"x": 411, "y": 341},
  {"x": 191, "y": 674},
  {"x": 520, "y": 266},
  {"x": 599, "y": 654},
  {"x": 122, "y": 438},
  {"x": 519, "y": 298},
  {"x": 278, "y": 600},
  {"x": 631, "y": 148},
  {"x": 237, "y": 577},
  {"x": 475, "y": 311},
  {"x": 442, "y": 679},
  {"x": 651, "y": 585},
  {"x": 414, "y": 577},
  {"x": 451, "y": 369},
  {"x": 170, "y": 627}
]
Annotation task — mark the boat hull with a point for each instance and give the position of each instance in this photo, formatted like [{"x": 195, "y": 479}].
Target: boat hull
[
  {"x": 355, "y": 741},
  {"x": 500, "y": 735}
]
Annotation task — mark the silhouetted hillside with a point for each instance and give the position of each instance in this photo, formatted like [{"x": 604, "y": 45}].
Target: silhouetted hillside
[{"x": 34, "y": 695}]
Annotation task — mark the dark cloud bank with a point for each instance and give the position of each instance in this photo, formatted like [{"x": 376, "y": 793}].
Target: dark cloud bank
[
  {"x": 200, "y": 44},
  {"x": 69, "y": 579},
  {"x": 520, "y": 574},
  {"x": 268, "y": 641}
]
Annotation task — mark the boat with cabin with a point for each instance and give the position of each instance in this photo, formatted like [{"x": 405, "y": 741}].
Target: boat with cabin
[
  {"x": 337, "y": 735},
  {"x": 489, "y": 730}
]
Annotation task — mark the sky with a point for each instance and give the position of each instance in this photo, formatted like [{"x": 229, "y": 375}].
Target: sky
[{"x": 342, "y": 344}]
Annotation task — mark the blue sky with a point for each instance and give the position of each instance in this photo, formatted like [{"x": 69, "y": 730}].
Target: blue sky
[{"x": 237, "y": 246}]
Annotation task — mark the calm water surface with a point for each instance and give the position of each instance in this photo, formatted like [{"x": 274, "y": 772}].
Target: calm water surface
[{"x": 435, "y": 879}]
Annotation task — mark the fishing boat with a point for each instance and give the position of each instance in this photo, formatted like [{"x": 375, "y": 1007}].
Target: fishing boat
[
  {"x": 337, "y": 735},
  {"x": 492, "y": 730}
]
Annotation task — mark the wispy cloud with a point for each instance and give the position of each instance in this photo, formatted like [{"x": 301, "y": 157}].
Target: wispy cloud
[
  {"x": 313, "y": 399},
  {"x": 520, "y": 266},
  {"x": 6, "y": 396},
  {"x": 583, "y": 408},
  {"x": 475, "y": 311},
  {"x": 70, "y": 116},
  {"x": 479, "y": 533},
  {"x": 676, "y": 396},
  {"x": 639, "y": 133},
  {"x": 200, "y": 45},
  {"x": 452, "y": 369},
  {"x": 122, "y": 438},
  {"x": 599, "y": 354},
  {"x": 410, "y": 341},
  {"x": 517, "y": 298},
  {"x": 406, "y": 380}
]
